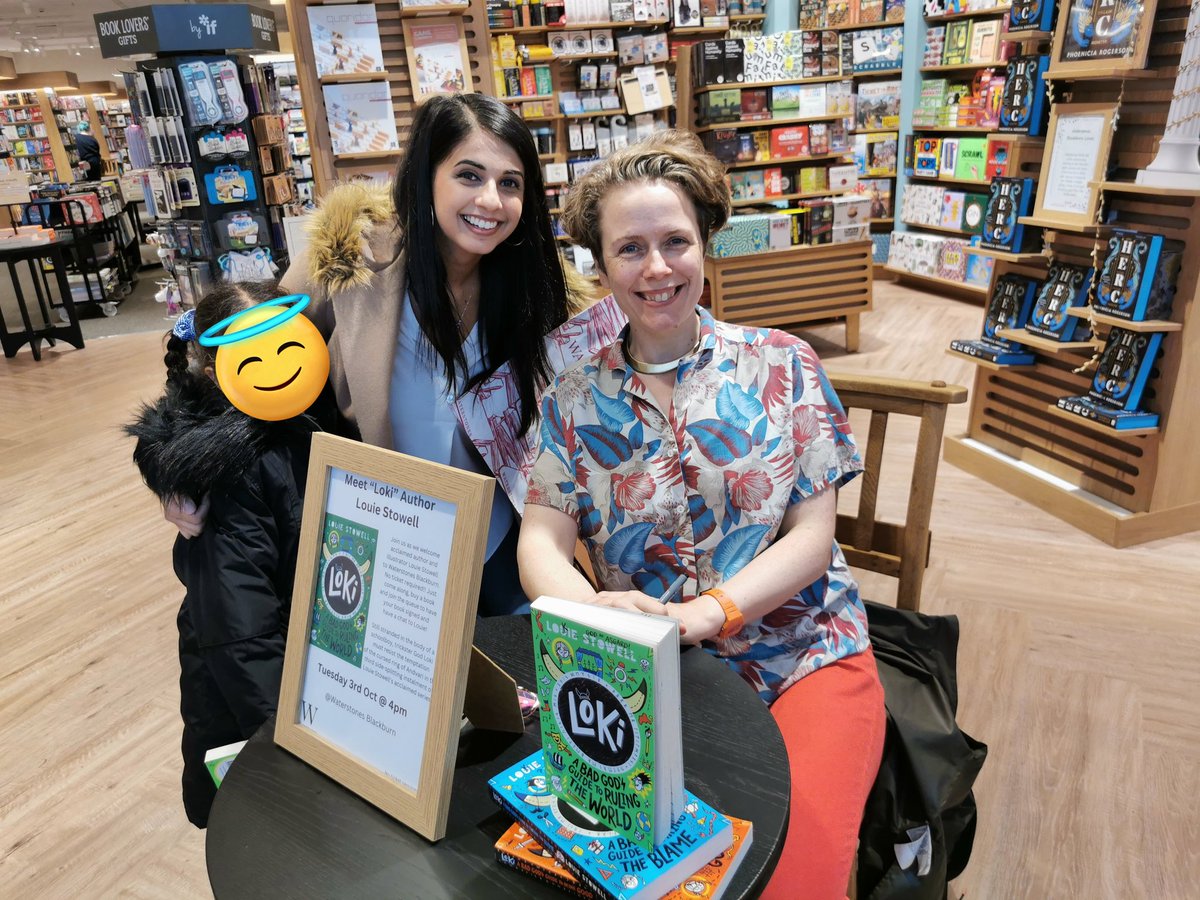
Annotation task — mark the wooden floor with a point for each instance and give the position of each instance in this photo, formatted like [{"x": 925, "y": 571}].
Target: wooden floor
[{"x": 1079, "y": 664}]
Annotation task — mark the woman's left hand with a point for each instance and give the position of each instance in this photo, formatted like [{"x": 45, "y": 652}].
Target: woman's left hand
[{"x": 699, "y": 620}]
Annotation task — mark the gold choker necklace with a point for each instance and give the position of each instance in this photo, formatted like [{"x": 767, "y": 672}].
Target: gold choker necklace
[{"x": 645, "y": 368}]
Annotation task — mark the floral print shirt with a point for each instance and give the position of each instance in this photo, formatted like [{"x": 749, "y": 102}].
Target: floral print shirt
[{"x": 754, "y": 427}]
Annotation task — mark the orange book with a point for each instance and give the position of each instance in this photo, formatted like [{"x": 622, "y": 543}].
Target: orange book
[{"x": 518, "y": 850}]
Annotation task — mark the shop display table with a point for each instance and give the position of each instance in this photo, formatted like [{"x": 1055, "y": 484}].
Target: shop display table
[
  {"x": 32, "y": 255},
  {"x": 280, "y": 828}
]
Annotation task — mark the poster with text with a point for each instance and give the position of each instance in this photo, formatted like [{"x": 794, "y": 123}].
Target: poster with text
[
  {"x": 439, "y": 65},
  {"x": 376, "y": 620}
]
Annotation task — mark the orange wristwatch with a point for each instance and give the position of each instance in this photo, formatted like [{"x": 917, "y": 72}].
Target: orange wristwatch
[{"x": 733, "y": 616}]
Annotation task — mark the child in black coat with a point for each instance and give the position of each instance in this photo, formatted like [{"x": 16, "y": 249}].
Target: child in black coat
[{"x": 238, "y": 572}]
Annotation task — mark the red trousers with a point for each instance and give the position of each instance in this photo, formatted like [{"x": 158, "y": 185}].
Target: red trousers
[{"x": 833, "y": 724}]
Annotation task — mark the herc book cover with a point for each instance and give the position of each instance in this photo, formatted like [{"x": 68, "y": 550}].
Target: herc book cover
[
  {"x": 1137, "y": 280},
  {"x": 598, "y": 729}
]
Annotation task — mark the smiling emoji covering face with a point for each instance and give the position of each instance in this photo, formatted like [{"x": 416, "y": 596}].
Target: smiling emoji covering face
[{"x": 278, "y": 368}]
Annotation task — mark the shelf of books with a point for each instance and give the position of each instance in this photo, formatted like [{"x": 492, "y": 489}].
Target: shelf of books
[
  {"x": 590, "y": 78},
  {"x": 24, "y": 136},
  {"x": 1090, "y": 342},
  {"x": 788, "y": 145},
  {"x": 979, "y": 115},
  {"x": 114, "y": 119},
  {"x": 870, "y": 43}
]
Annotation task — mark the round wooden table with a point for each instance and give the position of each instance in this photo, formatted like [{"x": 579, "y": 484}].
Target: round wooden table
[{"x": 280, "y": 828}]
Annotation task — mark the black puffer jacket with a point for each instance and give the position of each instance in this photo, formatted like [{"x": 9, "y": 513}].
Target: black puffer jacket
[{"x": 238, "y": 573}]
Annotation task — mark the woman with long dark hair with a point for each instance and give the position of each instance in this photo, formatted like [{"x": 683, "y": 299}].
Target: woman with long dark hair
[{"x": 424, "y": 291}]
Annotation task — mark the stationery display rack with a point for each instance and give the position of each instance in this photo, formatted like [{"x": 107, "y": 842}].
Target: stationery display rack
[
  {"x": 941, "y": 198},
  {"x": 1123, "y": 487},
  {"x": 216, "y": 189}
]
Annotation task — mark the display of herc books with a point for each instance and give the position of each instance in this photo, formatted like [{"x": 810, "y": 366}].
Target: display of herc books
[
  {"x": 608, "y": 682},
  {"x": 1066, "y": 285},
  {"x": 1009, "y": 307},
  {"x": 1124, "y": 368},
  {"x": 1137, "y": 281},
  {"x": 1119, "y": 385},
  {"x": 601, "y": 859},
  {"x": 518, "y": 850},
  {"x": 1009, "y": 199},
  {"x": 1023, "y": 107},
  {"x": 1031, "y": 15}
]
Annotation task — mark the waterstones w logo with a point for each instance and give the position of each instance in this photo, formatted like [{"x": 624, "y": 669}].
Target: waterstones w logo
[
  {"x": 308, "y": 712},
  {"x": 204, "y": 25}
]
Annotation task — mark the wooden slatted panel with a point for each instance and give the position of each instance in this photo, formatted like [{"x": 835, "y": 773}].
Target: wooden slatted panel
[{"x": 789, "y": 287}]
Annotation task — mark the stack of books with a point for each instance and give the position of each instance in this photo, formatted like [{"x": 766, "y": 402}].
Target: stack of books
[{"x": 601, "y": 810}]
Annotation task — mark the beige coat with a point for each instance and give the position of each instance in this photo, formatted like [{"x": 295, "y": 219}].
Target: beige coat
[{"x": 354, "y": 273}]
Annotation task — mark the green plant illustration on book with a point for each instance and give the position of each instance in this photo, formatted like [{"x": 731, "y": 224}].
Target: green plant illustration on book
[
  {"x": 339, "y": 618},
  {"x": 597, "y": 723}
]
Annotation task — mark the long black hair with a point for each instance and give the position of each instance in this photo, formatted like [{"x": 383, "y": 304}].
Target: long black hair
[{"x": 523, "y": 292}]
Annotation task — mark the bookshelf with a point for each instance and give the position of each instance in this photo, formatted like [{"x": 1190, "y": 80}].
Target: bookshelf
[
  {"x": 24, "y": 136},
  {"x": 871, "y": 39},
  {"x": 1123, "y": 487},
  {"x": 952, "y": 147}
]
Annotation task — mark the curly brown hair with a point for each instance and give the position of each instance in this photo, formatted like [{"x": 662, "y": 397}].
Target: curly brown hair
[{"x": 675, "y": 157}]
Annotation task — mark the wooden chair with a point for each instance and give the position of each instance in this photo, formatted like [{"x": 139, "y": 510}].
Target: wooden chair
[{"x": 902, "y": 550}]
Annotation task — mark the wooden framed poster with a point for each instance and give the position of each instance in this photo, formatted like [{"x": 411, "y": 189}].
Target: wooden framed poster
[
  {"x": 379, "y": 638},
  {"x": 437, "y": 56},
  {"x": 1097, "y": 37},
  {"x": 1076, "y": 156}
]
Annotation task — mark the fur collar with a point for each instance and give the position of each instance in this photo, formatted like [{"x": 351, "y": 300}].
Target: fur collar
[
  {"x": 192, "y": 440},
  {"x": 352, "y": 235}
]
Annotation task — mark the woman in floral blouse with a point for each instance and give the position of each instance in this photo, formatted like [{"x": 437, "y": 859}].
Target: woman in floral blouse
[{"x": 692, "y": 447}]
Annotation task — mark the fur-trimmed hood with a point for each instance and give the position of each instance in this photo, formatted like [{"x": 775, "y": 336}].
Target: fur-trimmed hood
[
  {"x": 191, "y": 440},
  {"x": 354, "y": 233}
]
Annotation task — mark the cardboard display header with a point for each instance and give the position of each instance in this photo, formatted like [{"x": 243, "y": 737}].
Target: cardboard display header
[{"x": 186, "y": 29}]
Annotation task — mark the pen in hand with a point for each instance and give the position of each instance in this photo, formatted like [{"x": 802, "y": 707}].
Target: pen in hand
[{"x": 673, "y": 592}]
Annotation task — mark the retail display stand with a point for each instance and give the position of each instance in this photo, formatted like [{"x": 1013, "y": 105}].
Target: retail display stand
[
  {"x": 212, "y": 158},
  {"x": 1122, "y": 486},
  {"x": 974, "y": 61}
]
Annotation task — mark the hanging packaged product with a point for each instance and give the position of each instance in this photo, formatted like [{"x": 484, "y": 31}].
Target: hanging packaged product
[
  {"x": 229, "y": 92},
  {"x": 248, "y": 265},
  {"x": 185, "y": 186},
  {"x": 230, "y": 184},
  {"x": 237, "y": 146},
  {"x": 241, "y": 231},
  {"x": 212, "y": 145},
  {"x": 204, "y": 107}
]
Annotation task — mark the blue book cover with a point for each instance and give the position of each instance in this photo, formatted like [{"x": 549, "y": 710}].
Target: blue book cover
[
  {"x": 1023, "y": 108},
  {"x": 1110, "y": 416},
  {"x": 606, "y": 862},
  {"x": 1009, "y": 307},
  {"x": 1031, "y": 15},
  {"x": 1124, "y": 367},
  {"x": 1137, "y": 281},
  {"x": 1066, "y": 285},
  {"x": 1003, "y": 353},
  {"x": 1009, "y": 199}
]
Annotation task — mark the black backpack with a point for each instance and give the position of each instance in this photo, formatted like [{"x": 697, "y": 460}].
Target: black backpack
[{"x": 923, "y": 789}]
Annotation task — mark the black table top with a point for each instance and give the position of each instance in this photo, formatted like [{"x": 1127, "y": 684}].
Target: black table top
[{"x": 281, "y": 828}]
